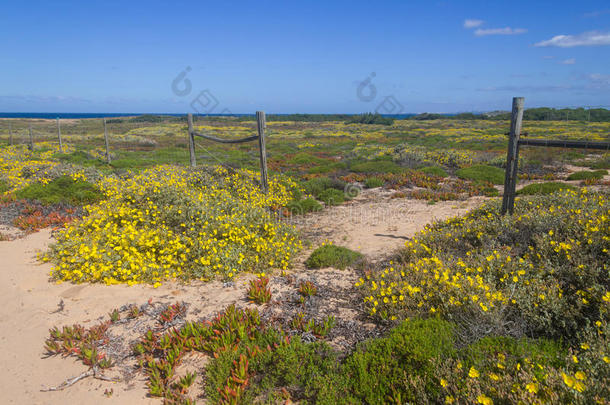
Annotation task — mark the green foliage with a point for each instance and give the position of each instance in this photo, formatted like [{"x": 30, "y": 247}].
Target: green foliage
[
  {"x": 395, "y": 368},
  {"x": 303, "y": 206},
  {"x": 306, "y": 159},
  {"x": 377, "y": 166},
  {"x": 545, "y": 188},
  {"x": 586, "y": 175},
  {"x": 370, "y": 118},
  {"x": 434, "y": 171},
  {"x": 63, "y": 189},
  {"x": 79, "y": 157},
  {"x": 373, "y": 182},
  {"x": 327, "y": 167},
  {"x": 317, "y": 185},
  {"x": 332, "y": 256},
  {"x": 4, "y": 187},
  {"x": 332, "y": 196},
  {"x": 486, "y": 173}
]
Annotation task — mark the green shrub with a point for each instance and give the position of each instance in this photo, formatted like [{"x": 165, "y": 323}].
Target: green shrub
[
  {"x": 332, "y": 196},
  {"x": 61, "y": 190},
  {"x": 586, "y": 175},
  {"x": 545, "y": 188},
  {"x": 317, "y": 185},
  {"x": 373, "y": 182},
  {"x": 370, "y": 118},
  {"x": 487, "y": 173},
  {"x": 303, "y": 206},
  {"x": 434, "y": 171},
  {"x": 79, "y": 157},
  {"x": 396, "y": 369},
  {"x": 327, "y": 168},
  {"x": 332, "y": 256},
  {"x": 306, "y": 159},
  {"x": 3, "y": 186},
  {"x": 380, "y": 166}
]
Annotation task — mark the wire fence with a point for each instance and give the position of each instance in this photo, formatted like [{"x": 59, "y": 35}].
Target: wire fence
[
  {"x": 130, "y": 142},
  {"x": 134, "y": 142}
]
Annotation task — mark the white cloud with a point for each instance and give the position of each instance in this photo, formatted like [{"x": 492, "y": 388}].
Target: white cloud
[
  {"x": 472, "y": 23},
  {"x": 570, "y": 61},
  {"x": 481, "y": 32},
  {"x": 591, "y": 38},
  {"x": 599, "y": 80}
]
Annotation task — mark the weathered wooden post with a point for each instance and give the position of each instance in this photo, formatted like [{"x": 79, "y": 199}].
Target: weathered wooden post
[
  {"x": 512, "y": 156},
  {"x": 191, "y": 140},
  {"x": 61, "y": 146},
  {"x": 260, "y": 121},
  {"x": 106, "y": 141},
  {"x": 10, "y": 133},
  {"x": 31, "y": 145}
]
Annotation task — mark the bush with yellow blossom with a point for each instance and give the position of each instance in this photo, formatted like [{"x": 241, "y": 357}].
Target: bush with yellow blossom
[{"x": 173, "y": 223}]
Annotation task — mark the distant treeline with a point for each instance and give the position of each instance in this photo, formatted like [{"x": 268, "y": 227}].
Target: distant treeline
[{"x": 531, "y": 114}]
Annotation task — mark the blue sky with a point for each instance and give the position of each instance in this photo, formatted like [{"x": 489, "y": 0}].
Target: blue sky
[{"x": 308, "y": 57}]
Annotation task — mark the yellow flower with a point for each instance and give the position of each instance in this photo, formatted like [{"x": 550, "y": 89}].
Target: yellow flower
[
  {"x": 580, "y": 375},
  {"x": 443, "y": 382},
  {"x": 532, "y": 387},
  {"x": 568, "y": 380},
  {"x": 473, "y": 373},
  {"x": 485, "y": 400}
]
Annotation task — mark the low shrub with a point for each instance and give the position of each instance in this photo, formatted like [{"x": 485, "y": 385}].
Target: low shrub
[
  {"x": 332, "y": 256},
  {"x": 545, "y": 188},
  {"x": 400, "y": 367},
  {"x": 258, "y": 291},
  {"x": 303, "y": 158},
  {"x": 63, "y": 189},
  {"x": 370, "y": 118},
  {"x": 373, "y": 182},
  {"x": 587, "y": 175},
  {"x": 317, "y": 185},
  {"x": 491, "y": 174},
  {"x": 332, "y": 196},
  {"x": 379, "y": 166},
  {"x": 434, "y": 171},
  {"x": 304, "y": 206}
]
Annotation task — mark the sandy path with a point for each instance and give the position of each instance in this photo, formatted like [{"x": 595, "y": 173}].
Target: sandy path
[{"x": 375, "y": 224}]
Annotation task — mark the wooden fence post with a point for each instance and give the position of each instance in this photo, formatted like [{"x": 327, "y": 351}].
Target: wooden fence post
[
  {"x": 10, "y": 133},
  {"x": 512, "y": 156},
  {"x": 260, "y": 120},
  {"x": 106, "y": 141},
  {"x": 61, "y": 146},
  {"x": 191, "y": 140},
  {"x": 31, "y": 145}
]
